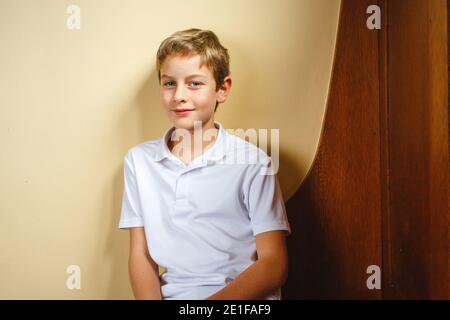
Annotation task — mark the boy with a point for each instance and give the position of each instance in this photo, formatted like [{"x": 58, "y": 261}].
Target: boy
[{"x": 218, "y": 229}]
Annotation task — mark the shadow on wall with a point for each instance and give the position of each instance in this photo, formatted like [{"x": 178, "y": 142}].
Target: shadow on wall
[
  {"x": 146, "y": 113},
  {"x": 291, "y": 168},
  {"x": 242, "y": 110}
]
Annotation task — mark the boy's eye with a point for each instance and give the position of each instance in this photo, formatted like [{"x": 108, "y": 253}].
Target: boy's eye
[
  {"x": 195, "y": 83},
  {"x": 169, "y": 83}
]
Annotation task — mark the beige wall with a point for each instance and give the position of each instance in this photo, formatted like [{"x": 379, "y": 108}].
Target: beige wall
[{"x": 73, "y": 102}]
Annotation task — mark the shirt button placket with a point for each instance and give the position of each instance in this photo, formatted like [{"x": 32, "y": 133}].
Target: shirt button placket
[{"x": 181, "y": 187}]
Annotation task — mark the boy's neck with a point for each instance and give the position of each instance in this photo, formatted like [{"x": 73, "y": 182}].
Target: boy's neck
[{"x": 201, "y": 139}]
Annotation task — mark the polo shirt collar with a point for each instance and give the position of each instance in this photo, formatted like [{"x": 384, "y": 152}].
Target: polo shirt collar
[{"x": 215, "y": 153}]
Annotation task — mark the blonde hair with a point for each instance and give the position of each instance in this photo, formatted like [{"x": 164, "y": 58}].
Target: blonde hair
[{"x": 192, "y": 42}]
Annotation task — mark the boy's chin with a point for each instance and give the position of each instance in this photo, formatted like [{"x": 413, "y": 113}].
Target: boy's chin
[{"x": 186, "y": 123}]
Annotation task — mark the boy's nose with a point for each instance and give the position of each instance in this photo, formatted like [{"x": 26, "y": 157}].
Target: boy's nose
[{"x": 180, "y": 94}]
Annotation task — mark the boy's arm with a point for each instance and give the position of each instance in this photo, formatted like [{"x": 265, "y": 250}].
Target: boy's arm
[
  {"x": 263, "y": 277},
  {"x": 144, "y": 273}
]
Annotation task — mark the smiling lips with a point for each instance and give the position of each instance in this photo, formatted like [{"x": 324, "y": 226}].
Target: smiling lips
[{"x": 182, "y": 111}]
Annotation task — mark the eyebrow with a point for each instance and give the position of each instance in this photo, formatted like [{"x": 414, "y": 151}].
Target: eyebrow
[{"x": 190, "y": 76}]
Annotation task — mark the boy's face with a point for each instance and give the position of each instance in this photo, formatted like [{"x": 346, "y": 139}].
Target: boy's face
[{"x": 188, "y": 92}]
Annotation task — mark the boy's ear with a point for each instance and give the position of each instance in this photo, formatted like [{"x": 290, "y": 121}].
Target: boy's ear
[{"x": 224, "y": 90}]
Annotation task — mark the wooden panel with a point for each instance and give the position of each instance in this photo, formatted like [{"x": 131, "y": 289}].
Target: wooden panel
[
  {"x": 417, "y": 227},
  {"x": 378, "y": 190},
  {"x": 335, "y": 214}
]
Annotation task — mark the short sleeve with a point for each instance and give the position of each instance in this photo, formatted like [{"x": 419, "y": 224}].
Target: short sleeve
[
  {"x": 265, "y": 203},
  {"x": 130, "y": 215}
]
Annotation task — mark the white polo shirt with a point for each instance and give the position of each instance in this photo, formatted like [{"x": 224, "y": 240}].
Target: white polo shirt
[{"x": 201, "y": 219}]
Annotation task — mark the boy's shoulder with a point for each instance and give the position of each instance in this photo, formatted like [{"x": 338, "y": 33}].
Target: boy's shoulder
[
  {"x": 149, "y": 148},
  {"x": 241, "y": 149}
]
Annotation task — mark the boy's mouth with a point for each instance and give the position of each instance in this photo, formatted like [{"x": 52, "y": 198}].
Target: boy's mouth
[{"x": 182, "y": 111}]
